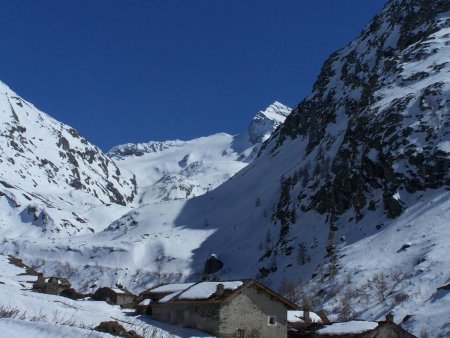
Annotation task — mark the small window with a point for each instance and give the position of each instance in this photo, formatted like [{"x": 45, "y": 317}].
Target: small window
[
  {"x": 240, "y": 333},
  {"x": 272, "y": 320}
]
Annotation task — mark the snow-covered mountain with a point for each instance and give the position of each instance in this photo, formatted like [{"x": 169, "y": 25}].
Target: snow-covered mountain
[
  {"x": 350, "y": 195},
  {"x": 184, "y": 169},
  {"x": 39, "y": 153},
  {"x": 48, "y": 171},
  {"x": 60, "y": 226},
  {"x": 339, "y": 195}
]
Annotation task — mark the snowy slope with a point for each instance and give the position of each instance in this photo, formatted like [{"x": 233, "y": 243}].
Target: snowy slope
[
  {"x": 66, "y": 230},
  {"x": 53, "y": 182},
  {"x": 42, "y": 315},
  {"x": 183, "y": 169}
]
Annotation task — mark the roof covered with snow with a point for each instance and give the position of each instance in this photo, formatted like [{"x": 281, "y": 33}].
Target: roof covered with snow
[
  {"x": 207, "y": 291},
  {"x": 172, "y": 287},
  {"x": 117, "y": 290},
  {"x": 204, "y": 290},
  {"x": 298, "y": 317},
  {"x": 145, "y": 302},
  {"x": 351, "y": 327}
]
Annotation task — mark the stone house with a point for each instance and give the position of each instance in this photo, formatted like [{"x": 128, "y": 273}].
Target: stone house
[
  {"x": 352, "y": 329},
  {"x": 115, "y": 296},
  {"x": 147, "y": 297},
  {"x": 51, "y": 285},
  {"x": 142, "y": 307},
  {"x": 225, "y": 309}
]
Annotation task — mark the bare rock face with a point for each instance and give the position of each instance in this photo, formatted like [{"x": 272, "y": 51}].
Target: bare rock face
[{"x": 376, "y": 125}]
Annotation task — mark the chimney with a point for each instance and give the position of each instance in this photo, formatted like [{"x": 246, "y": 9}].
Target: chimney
[
  {"x": 306, "y": 316},
  {"x": 220, "y": 289},
  {"x": 390, "y": 317}
]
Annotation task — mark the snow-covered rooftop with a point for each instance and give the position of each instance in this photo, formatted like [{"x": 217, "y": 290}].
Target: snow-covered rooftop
[
  {"x": 145, "y": 302},
  {"x": 172, "y": 287},
  {"x": 118, "y": 290},
  {"x": 298, "y": 317},
  {"x": 351, "y": 327},
  {"x": 168, "y": 297},
  {"x": 205, "y": 290}
]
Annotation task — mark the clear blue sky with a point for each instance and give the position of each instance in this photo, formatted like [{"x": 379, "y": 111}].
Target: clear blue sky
[{"x": 138, "y": 70}]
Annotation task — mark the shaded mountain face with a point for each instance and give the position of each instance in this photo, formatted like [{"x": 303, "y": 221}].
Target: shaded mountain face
[
  {"x": 376, "y": 125},
  {"x": 40, "y": 154}
]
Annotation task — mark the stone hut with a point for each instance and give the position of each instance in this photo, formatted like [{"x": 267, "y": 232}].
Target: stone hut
[
  {"x": 353, "y": 329},
  {"x": 155, "y": 294},
  {"x": 51, "y": 285},
  {"x": 115, "y": 296},
  {"x": 225, "y": 309},
  {"x": 143, "y": 308}
]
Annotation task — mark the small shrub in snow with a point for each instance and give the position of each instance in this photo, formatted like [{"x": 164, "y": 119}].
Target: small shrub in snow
[
  {"x": 291, "y": 290},
  {"x": 423, "y": 333},
  {"x": 345, "y": 311},
  {"x": 381, "y": 286},
  {"x": 363, "y": 294},
  {"x": 303, "y": 256},
  {"x": 397, "y": 276},
  {"x": 11, "y": 312},
  {"x": 400, "y": 297},
  {"x": 115, "y": 329}
]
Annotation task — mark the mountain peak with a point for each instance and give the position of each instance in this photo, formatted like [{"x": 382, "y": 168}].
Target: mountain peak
[
  {"x": 266, "y": 121},
  {"x": 4, "y": 89}
]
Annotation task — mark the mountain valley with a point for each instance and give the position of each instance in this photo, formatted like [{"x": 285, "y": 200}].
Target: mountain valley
[{"x": 341, "y": 202}]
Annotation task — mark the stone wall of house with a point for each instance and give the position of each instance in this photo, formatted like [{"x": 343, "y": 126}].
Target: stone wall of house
[
  {"x": 204, "y": 317},
  {"x": 384, "y": 330},
  {"x": 250, "y": 311},
  {"x": 124, "y": 299}
]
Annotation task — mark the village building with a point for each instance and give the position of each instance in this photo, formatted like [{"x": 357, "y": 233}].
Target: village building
[
  {"x": 143, "y": 308},
  {"x": 350, "y": 329},
  {"x": 225, "y": 309},
  {"x": 305, "y": 320},
  {"x": 157, "y": 293},
  {"x": 51, "y": 285},
  {"x": 115, "y": 296},
  {"x": 152, "y": 295}
]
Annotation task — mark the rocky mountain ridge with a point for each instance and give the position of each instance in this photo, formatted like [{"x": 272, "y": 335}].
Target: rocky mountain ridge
[
  {"x": 377, "y": 120},
  {"x": 39, "y": 152}
]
